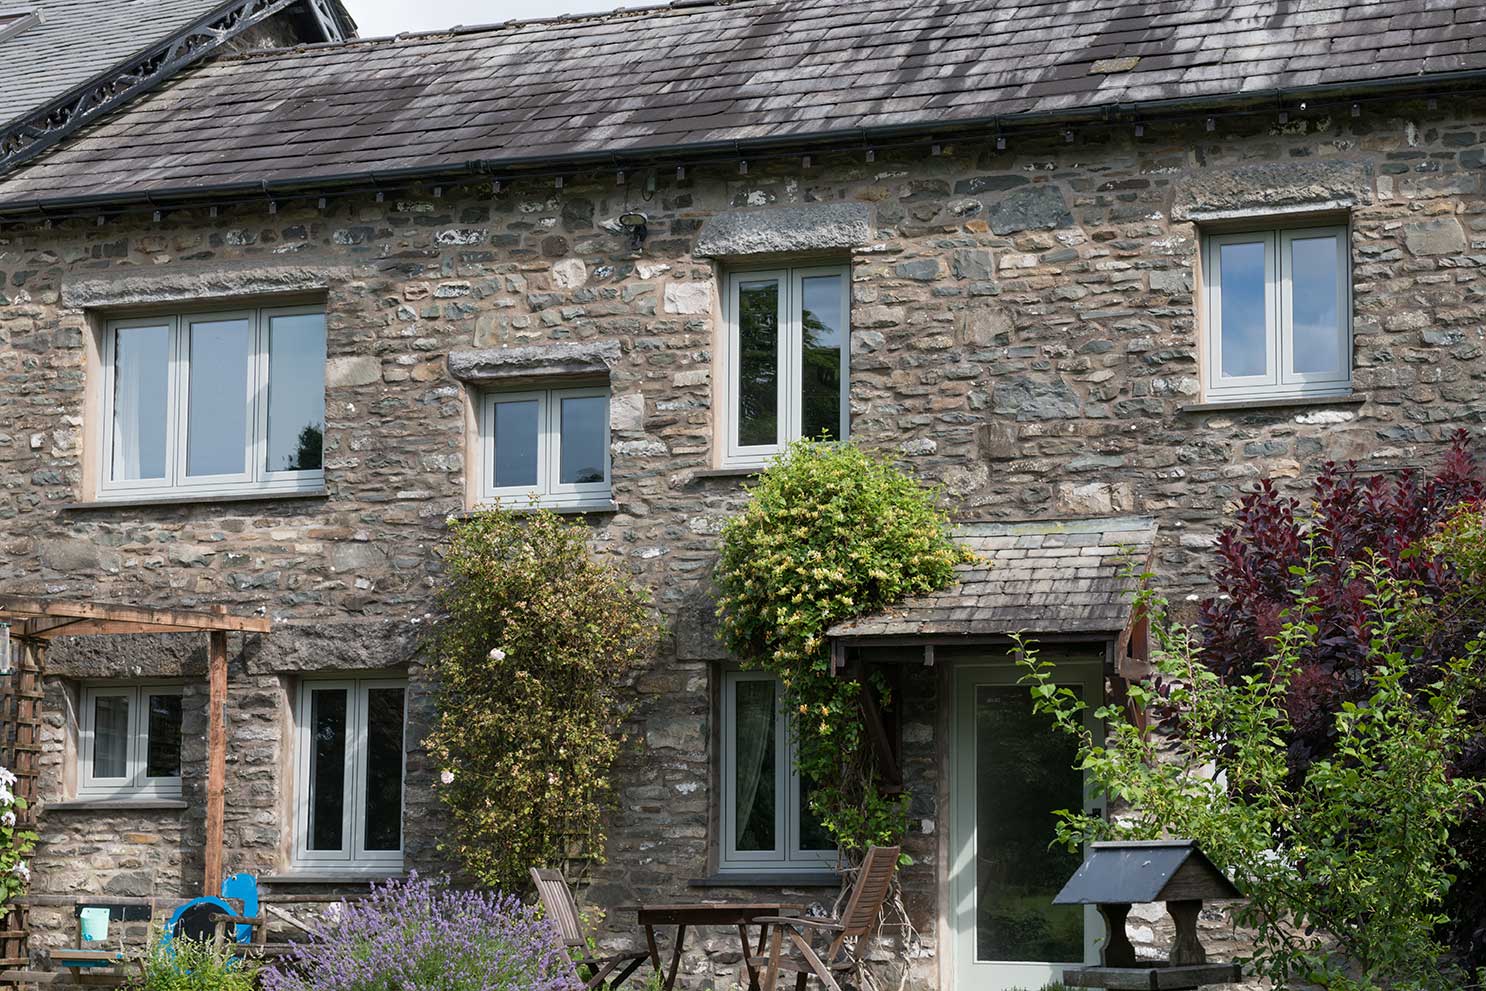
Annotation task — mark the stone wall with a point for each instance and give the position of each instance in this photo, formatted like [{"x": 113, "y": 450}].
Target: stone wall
[{"x": 1023, "y": 333}]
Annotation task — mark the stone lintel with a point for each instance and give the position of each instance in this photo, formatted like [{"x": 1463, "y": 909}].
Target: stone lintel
[
  {"x": 199, "y": 285},
  {"x": 1272, "y": 188},
  {"x": 785, "y": 230},
  {"x": 510, "y": 366}
]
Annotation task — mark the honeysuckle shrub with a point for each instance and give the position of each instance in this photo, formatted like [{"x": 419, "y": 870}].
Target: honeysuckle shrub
[
  {"x": 192, "y": 965},
  {"x": 422, "y": 935},
  {"x": 537, "y": 638},
  {"x": 16, "y": 842},
  {"x": 830, "y": 532},
  {"x": 1346, "y": 863}
]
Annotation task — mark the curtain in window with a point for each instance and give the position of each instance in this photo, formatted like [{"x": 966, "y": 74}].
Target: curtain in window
[{"x": 754, "y": 747}]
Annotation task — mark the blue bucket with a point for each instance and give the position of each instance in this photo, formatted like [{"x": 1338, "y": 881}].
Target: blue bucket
[{"x": 95, "y": 924}]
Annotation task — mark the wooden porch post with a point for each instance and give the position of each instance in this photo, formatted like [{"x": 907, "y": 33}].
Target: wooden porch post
[{"x": 216, "y": 768}]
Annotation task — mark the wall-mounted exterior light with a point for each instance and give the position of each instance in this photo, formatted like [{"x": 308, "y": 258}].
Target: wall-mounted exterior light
[{"x": 638, "y": 226}]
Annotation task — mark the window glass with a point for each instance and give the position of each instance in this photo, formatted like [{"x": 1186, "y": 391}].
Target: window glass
[
  {"x": 217, "y": 409},
  {"x": 516, "y": 438},
  {"x": 584, "y": 445},
  {"x": 823, "y": 335},
  {"x": 382, "y": 811},
  {"x": 111, "y": 736},
  {"x": 1314, "y": 279},
  {"x": 755, "y": 765},
  {"x": 813, "y": 835},
  {"x": 327, "y": 784},
  {"x": 758, "y": 363},
  {"x": 141, "y": 370},
  {"x": 1244, "y": 315},
  {"x": 296, "y": 391},
  {"x": 163, "y": 736}
]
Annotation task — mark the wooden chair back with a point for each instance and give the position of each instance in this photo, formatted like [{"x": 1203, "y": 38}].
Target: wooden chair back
[
  {"x": 874, "y": 879},
  {"x": 558, "y": 903}
]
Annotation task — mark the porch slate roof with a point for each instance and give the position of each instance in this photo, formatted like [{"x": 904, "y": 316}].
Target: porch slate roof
[
  {"x": 724, "y": 74},
  {"x": 1055, "y": 576}
]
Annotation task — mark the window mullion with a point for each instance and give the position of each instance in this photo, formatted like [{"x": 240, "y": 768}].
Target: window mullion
[
  {"x": 178, "y": 388},
  {"x": 257, "y": 452},
  {"x": 356, "y": 769},
  {"x": 137, "y": 727},
  {"x": 1281, "y": 338},
  {"x": 790, "y": 373},
  {"x": 550, "y": 441}
]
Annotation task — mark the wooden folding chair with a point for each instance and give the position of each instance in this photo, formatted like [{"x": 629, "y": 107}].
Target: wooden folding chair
[
  {"x": 858, "y": 922},
  {"x": 558, "y": 903}
]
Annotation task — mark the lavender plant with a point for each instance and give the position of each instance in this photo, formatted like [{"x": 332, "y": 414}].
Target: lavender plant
[{"x": 421, "y": 935}]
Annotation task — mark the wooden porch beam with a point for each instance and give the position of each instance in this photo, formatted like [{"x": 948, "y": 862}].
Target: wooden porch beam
[
  {"x": 105, "y": 613},
  {"x": 216, "y": 765}
]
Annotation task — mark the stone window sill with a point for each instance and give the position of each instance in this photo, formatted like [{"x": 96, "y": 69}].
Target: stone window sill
[
  {"x": 581, "y": 509},
  {"x": 179, "y": 499},
  {"x": 1351, "y": 399},
  {"x": 742, "y": 472},
  {"x": 117, "y": 805},
  {"x": 309, "y": 876},
  {"x": 768, "y": 879}
]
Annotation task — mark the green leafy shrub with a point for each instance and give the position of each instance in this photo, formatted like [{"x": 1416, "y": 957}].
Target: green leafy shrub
[
  {"x": 16, "y": 842},
  {"x": 830, "y": 532},
  {"x": 189, "y": 965},
  {"x": 538, "y": 635},
  {"x": 1345, "y": 864}
]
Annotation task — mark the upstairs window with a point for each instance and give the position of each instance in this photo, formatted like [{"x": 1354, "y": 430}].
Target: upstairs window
[
  {"x": 767, "y": 824},
  {"x": 1277, "y": 314},
  {"x": 785, "y": 363},
  {"x": 549, "y": 447},
  {"x": 131, "y": 742},
  {"x": 214, "y": 403}
]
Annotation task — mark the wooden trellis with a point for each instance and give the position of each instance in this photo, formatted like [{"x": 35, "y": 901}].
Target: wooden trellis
[{"x": 20, "y": 748}]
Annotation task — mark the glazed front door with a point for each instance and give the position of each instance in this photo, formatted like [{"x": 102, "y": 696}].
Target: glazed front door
[{"x": 1011, "y": 770}]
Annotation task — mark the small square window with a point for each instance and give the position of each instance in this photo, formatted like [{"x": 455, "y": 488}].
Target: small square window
[
  {"x": 349, "y": 773},
  {"x": 766, "y": 820},
  {"x": 1277, "y": 314},
  {"x": 131, "y": 742},
  {"x": 785, "y": 363},
  {"x": 549, "y": 446}
]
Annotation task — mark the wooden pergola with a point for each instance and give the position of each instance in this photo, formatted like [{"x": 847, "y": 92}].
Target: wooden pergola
[{"x": 37, "y": 621}]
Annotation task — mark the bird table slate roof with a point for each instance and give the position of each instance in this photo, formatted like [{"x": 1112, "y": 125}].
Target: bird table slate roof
[
  {"x": 1073, "y": 576},
  {"x": 725, "y": 73}
]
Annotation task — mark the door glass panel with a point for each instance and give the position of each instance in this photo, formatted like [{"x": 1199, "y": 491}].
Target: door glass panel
[
  {"x": 823, "y": 327},
  {"x": 813, "y": 835},
  {"x": 1024, "y": 773},
  {"x": 111, "y": 736},
  {"x": 296, "y": 392},
  {"x": 754, "y": 743},
  {"x": 1315, "y": 322},
  {"x": 217, "y": 405},
  {"x": 163, "y": 745},
  {"x": 327, "y": 798},
  {"x": 1243, "y": 318},
  {"x": 516, "y": 431},
  {"x": 758, "y": 363},
  {"x": 384, "y": 744},
  {"x": 141, "y": 393},
  {"x": 585, "y": 429}
]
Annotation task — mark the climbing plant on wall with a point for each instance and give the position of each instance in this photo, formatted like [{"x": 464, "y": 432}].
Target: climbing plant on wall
[
  {"x": 537, "y": 638},
  {"x": 830, "y": 532}
]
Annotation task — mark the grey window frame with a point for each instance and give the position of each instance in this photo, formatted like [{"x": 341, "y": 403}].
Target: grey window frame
[
  {"x": 134, "y": 785},
  {"x": 790, "y": 373},
  {"x": 1279, "y": 380},
  {"x": 352, "y": 856},
  {"x": 548, "y": 491},
  {"x": 257, "y": 478},
  {"x": 788, "y": 800}
]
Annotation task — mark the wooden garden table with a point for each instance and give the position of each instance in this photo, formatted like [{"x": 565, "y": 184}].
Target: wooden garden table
[{"x": 729, "y": 914}]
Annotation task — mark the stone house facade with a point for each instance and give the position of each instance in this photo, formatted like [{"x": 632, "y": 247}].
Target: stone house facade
[{"x": 1025, "y": 317}]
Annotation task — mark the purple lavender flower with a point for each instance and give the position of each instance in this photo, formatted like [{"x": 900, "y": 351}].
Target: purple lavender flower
[{"x": 422, "y": 935}]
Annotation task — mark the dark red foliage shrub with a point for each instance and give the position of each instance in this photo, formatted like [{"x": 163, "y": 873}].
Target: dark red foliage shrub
[{"x": 1352, "y": 517}]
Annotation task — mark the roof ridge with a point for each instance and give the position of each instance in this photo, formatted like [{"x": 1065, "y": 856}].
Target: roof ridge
[{"x": 672, "y": 7}]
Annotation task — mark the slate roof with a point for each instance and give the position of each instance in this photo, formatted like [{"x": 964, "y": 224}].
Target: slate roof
[
  {"x": 1067, "y": 576},
  {"x": 726, "y": 73}
]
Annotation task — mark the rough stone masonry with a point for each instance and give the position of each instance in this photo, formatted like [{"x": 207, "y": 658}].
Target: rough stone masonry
[{"x": 1023, "y": 334}]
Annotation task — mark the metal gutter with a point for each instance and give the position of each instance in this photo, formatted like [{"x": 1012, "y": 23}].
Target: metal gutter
[{"x": 515, "y": 167}]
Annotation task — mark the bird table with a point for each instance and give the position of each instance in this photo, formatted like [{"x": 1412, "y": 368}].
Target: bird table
[{"x": 728, "y": 914}]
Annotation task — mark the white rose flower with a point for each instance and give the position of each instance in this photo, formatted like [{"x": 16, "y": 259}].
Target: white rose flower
[
  {"x": 21, "y": 871},
  {"x": 496, "y": 654},
  {"x": 446, "y": 777},
  {"x": 8, "y": 819}
]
